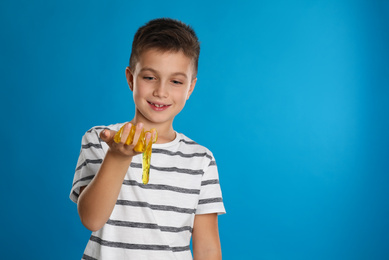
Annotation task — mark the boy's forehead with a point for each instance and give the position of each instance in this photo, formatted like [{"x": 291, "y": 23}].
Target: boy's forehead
[{"x": 173, "y": 61}]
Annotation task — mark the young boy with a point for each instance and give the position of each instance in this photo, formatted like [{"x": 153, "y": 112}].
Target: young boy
[{"x": 132, "y": 220}]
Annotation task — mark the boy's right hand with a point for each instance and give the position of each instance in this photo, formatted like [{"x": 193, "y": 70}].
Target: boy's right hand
[{"x": 121, "y": 148}]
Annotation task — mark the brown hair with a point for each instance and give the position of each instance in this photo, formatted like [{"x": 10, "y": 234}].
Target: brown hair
[{"x": 166, "y": 34}]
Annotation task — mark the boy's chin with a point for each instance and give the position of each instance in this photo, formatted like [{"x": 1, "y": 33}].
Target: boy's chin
[{"x": 155, "y": 120}]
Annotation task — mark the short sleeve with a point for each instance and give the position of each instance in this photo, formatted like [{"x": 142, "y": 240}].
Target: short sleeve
[
  {"x": 89, "y": 161},
  {"x": 210, "y": 198}
]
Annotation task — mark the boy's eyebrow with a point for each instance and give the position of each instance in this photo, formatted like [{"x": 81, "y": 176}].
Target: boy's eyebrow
[
  {"x": 148, "y": 69},
  {"x": 156, "y": 72}
]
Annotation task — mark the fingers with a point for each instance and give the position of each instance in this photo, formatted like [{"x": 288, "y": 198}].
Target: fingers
[
  {"x": 128, "y": 138},
  {"x": 126, "y": 135},
  {"x": 148, "y": 142},
  {"x": 148, "y": 138},
  {"x": 154, "y": 135},
  {"x": 138, "y": 133}
]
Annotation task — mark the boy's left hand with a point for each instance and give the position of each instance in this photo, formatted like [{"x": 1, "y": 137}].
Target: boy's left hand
[{"x": 121, "y": 149}]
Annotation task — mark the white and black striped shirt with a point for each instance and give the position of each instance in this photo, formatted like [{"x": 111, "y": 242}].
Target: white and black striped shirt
[{"x": 152, "y": 221}]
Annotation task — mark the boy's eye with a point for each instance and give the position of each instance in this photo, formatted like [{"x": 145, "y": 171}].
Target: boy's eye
[
  {"x": 148, "y": 78},
  {"x": 177, "y": 82}
]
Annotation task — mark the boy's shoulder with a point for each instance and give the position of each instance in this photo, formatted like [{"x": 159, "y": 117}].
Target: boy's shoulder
[{"x": 187, "y": 143}]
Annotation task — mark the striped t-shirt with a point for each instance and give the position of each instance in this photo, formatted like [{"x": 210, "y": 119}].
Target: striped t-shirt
[{"x": 152, "y": 221}]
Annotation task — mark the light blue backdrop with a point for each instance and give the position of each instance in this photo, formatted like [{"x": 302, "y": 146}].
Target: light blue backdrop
[{"x": 292, "y": 98}]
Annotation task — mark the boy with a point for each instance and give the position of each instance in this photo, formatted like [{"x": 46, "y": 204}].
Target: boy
[{"x": 132, "y": 220}]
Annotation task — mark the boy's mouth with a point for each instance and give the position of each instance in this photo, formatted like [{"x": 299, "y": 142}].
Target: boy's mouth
[{"x": 158, "y": 107}]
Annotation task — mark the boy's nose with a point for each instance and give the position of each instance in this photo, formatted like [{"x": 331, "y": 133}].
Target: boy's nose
[{"x": 161, "y": 90}]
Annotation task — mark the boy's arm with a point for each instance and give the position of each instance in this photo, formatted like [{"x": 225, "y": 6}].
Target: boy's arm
[
  {"x": 97, "y": 200},
  {"x": 205, "y": 238}
]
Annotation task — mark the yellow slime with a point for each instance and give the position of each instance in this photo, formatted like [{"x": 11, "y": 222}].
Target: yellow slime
[{"x": 140, "y": 147}]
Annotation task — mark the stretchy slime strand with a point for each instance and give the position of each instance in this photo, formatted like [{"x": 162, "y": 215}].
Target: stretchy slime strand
[
  {"x": 140, "y": 147},
  {"x": 146, "y": 157}
]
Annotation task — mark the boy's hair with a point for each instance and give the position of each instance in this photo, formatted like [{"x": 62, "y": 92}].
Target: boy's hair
[{"x": 166, "y": 34}]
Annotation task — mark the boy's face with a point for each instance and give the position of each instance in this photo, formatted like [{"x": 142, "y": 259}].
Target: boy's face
[{"x": 161, "y": 83}]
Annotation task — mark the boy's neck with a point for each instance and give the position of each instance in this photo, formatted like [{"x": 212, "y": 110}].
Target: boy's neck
[{"x": 165, "y": 132}]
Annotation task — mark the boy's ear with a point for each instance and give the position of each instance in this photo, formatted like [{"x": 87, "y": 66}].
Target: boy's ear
[
  {"x": 191, "y": 88},
  {"x": 130, "y": 78}
]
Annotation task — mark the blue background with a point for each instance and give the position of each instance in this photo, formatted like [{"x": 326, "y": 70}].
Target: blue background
[{"x": 292, "y": 98}]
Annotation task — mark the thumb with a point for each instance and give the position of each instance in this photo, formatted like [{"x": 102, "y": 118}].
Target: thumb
[{"x": 107, "y": 135}]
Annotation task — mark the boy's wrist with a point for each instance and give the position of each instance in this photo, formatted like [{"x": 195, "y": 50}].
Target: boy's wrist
[{"x": 117, "y": 158}]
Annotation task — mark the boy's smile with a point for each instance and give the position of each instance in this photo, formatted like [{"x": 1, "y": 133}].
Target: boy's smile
[
  {"x": 158, "y": 106},
  {"x": 161, "y": 83}
]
